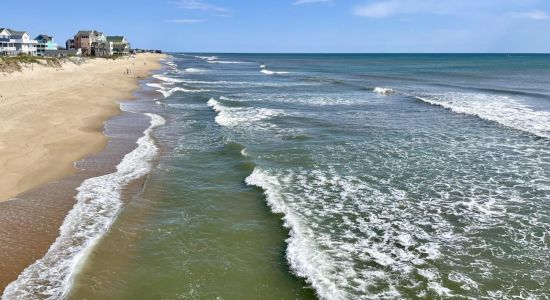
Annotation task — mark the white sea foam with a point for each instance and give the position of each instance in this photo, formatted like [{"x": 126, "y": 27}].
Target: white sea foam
[
  {"x": 195, "y": 71},
  {"x": 302, "y": 253},
  {"x": 242, "y": 116},
  {"x": 268, "y": 72},
  {"x": 167, "y": 79},
  {"x": 382, "y": 90},
  {"x": 263, "y": 66},
  {"x": 226, "y": 62},
  {"x": 345, "y": 245},
  {"x": 207, "y": 58},
  {"x": 248, "y": 83},
  {"x": 501, "y": 109},
  {"x": 167, "y": 92},
  {"x": 98, "y": 203}
]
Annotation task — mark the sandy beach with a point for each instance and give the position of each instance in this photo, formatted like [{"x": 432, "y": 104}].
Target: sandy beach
[{"x": 50, "y": 118}]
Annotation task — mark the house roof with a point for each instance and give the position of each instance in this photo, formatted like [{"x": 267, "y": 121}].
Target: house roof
[
  {"x": 85, "y": 32},
  {"x": 44, "y": 37},
  {"x": 115, "y": 38},
  {"x": 16, "y": 32}
]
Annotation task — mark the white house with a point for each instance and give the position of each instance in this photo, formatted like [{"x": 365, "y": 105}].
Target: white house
[
  {"x": 7, "y": 46},
  {"x": 13, "y": 42}
]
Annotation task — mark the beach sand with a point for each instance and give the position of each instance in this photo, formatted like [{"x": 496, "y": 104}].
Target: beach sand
[
  {"x": 51, "y": 118},
  {"x": 48, "y": 120}
]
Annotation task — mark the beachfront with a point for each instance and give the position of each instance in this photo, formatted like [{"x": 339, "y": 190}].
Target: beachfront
[{"x": 49, "y": 119}]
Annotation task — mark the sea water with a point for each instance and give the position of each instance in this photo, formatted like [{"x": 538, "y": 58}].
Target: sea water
[{"x": 336, "y": 177}]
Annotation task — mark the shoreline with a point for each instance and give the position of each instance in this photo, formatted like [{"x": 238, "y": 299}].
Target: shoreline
[
  {"x": 62, "y": 112},
  {"x": 30, "y": 223}
]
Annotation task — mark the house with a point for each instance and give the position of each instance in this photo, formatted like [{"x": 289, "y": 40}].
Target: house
[
  {"x": 13, "y": 42},
  {"x": 69, "y": 44},
  {"x": 91, "y": 43},
  {"x": 84, "y": 39},
  {"x": 120, "y": 45},
  {"x": 7, "y": 46},
  {"x": 45, "y": 42},
  {"x": 101, "y": 47}
]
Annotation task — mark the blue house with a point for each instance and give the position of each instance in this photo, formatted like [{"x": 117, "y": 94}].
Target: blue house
[{"x": 45, "y": 42}]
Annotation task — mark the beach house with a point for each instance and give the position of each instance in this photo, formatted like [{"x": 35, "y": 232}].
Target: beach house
[
  {"x": 45, "y": 43},
  {"x": 120, "y": 45},
  {"x": 95, "y": 43},
  {"x": 101, "y": 47},
  {"x": 69, "y": 44},
  {"x": 85, "y": 39},
  {"x": 13, "y": 42},
  {"x": 7, "y": 46}
]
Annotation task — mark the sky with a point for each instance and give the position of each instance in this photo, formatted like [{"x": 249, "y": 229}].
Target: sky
[{"x": 304, "y": 26}]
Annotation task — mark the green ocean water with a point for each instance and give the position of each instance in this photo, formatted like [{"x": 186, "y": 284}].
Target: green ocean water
[{"x": 329, "y": 177}]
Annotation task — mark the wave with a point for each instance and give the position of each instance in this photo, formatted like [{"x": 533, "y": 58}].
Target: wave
[
  {"x": 384, "y": 91},
  {"x": 268, "y": 72},
  {"x": 167, "y": 92},
  {"x": 305, "y": 259},
  {"x": 246, "y": 83},
  {"x": 241, "y": 116},
  {"x": 98, "y": 203},
  {"x": 167, "y": 79},
  {"x": 343, "y": 249},
  {"x": 501, "y": 109},
  {"x": 226, "y": 62},
  {"x": 173, "y": 65},
  {"x": 207, "y": 58},
  {"x": 195, "y": 71}
]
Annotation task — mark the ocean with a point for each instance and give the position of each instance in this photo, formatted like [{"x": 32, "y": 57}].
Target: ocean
[{"x": 319, "y": 176}]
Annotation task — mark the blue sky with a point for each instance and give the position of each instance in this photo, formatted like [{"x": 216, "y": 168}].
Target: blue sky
[{"x": 297, "y": 25}]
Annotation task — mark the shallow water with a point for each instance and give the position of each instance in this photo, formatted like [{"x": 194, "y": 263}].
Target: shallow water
[{"x": 339, "y": 177}]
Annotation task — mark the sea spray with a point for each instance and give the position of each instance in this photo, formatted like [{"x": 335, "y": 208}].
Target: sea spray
[{"x": 98, "y": 203}]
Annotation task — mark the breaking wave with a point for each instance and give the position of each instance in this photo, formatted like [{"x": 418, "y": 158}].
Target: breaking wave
[
  {"x": 241, "y": 116},
  {"x": 501, "y": 109},
  {"x": 268, "y": 72},
  {"x": 384, "y": 91}
]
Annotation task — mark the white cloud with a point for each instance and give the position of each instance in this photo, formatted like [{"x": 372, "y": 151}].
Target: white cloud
[
  {"x": 185, "y": 21},
  {"x": 536, "y": 14},
  {"x": 300, "y": 2},
  {"x": 201, "y": 5},
  {"x": 379, "y": 9},
  {"x": 388, "y": 8}
]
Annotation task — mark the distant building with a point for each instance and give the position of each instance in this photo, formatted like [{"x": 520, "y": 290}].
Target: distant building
[
  {"x": 69, "y": 44},
  {"x": 120, "y": 45},
  {"x": 101, "y": 47},
  {"x": 7, "y": 45},
  {"x": 45, "y": 42},
  {"x": 95, "y": 43},
  {"x": 13, "y": 42},
  {"x": 84, "y": 40}
]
